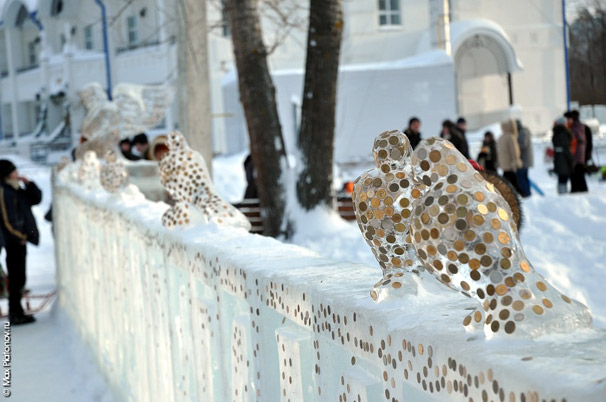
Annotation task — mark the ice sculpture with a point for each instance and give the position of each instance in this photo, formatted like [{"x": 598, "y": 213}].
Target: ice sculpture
[
  {"x": 462, "y": 231},
  {"x": 88, "y": 171},
  {"x": 114, "y": 175},
  {"x": 134, "y": 109},
  {"x": 382, "y": 200},
  {"x": 185, "y": 176}
]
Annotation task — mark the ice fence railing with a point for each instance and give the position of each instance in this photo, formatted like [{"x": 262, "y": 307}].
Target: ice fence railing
[{"x": 212, "y": 313}]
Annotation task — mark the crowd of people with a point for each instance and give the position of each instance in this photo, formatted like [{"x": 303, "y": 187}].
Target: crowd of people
[
  {"x": 512, "y": 152},
  {"x": 145, "y": 150}
]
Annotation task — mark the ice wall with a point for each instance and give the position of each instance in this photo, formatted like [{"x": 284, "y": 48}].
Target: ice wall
[{"x": 215, "y": 314}]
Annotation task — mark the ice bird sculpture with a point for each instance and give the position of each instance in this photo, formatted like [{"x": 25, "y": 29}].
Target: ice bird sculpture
[{"x": 134, "y": 109}]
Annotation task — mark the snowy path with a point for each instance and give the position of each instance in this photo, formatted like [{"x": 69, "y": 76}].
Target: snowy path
[{"x": 50, "y": 362}]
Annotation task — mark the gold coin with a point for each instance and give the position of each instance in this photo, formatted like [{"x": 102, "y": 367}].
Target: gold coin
[
  {"x": 451, "y": 159},
  {"x": 474, "y": 264},
  {"x": 525, "y": 294},
  {"x": 379, "y": 214},
  {"x": 404, "y": 202},
  {"x": 490, "y": 187},
  {"x": 442, "y": 170},
  {"x": 566, "y": 298},
  {"x": 503, "y": 238},
  {"x": 541, "y": 286},
  {"x": 482, "y": 209},
  {"x": 416, "y": 193},
  {"x": 477, "y": 316},
  {"x": 425, "y": 218},
  {"x": 431, "y": 250},
  {"x": 389, "y": 211},
  {"x": 547, "y": 303},
  {"x": 510, "y": 282},
  {"x": 488, "y": 237},
  {"x": 400, "y": 227},
  {"x": 462, "y": 167},
  {"x": 451, "y": 188},
  {"x": 503, "y": 214},
  {"x": 479, "y": 196},
  {"x": 495, "y": 223},
  {"x": 518, "y": 305},
  {"x": 525, "y": 267},
  {"x": 537, "y": 309},
  {"x": 501, "y": 290},
  {"x": 388, "y": 201},
  {"x": 459, "y": 245},
  {"x": 478, "y": 220},
  {"x": 466, "y": 322},
  {"x": 469, "y": 235},
  {"x": 462, "y": 199},
  {"x": 375, "y": 202},
  {"x": 452, "y": 256},
  {"x": 492, "y": 207},
  {"x": 435, "y": 156}
]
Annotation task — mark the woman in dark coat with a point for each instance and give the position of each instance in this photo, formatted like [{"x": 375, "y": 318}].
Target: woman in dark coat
[
  {"x": 18, "y": 227},
  {"x": 487, "y": 158},
  {"x": 563, "y": 161}
]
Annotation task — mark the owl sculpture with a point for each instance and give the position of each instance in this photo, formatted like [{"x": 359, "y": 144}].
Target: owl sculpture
[
  {"x": 185, "y": 177},
  {"x": 114, "y": 175},
  {"x": 134, "y": 109},
  {"x": 463, "y": 233}
]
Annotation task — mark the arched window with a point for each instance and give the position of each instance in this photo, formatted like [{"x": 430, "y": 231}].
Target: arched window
[{"x": 56, "y": 7}]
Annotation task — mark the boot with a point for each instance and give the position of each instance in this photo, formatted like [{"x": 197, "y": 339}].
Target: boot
[
  {"x": 21, "y": 319},
  {"x": 562, "y": 188}
]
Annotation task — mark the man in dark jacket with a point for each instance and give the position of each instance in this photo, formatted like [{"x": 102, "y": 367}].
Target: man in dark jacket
[
  {"x": 18, "y": 227},
  {"x": 452, "y": 133},
  {"x": 412, "y": 132}
]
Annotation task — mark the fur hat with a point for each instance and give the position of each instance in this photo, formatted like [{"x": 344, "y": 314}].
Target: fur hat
[
  {"x": 6, "y": 167},
  {"x": 560, "y": 121}
]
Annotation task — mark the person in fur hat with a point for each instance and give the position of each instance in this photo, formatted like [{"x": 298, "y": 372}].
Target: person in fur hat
[{"x": 17, "y": 228}]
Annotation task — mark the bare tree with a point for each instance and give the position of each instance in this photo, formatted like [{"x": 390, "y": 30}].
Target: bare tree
[
  {"x": 316, "y": 136},
  {"x": 257, "y": 94},
  {"x": 588, "y": 54}
]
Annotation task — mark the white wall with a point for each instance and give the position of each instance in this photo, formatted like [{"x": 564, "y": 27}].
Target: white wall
[{"x": 213, "y": 314}]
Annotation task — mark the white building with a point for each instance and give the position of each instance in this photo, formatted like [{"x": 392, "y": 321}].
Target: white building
[{"x": 486, "y": 60}]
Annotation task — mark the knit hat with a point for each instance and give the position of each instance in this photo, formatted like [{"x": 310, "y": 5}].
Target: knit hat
[
  {"x": 560, "y": 121},
  {"x": 140, "y": 138},
  {"x": 461, "y": 120},
  {"x": 6, "y": 167}
]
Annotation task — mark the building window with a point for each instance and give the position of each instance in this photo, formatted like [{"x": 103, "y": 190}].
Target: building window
[
  {"x": 224, "y": 22},
  {"x": 88, "y": 37},
  {"x": 31, "y": 52},
  {"x": 131, "y": 23},
  {"x": 389, "y": 12}
]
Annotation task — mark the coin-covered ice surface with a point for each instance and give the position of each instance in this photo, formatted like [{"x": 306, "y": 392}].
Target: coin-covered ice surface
[
  {"x": 185, "y": 177},
  {"x": 462, "y": 232},
  {"x": 382, "y": 200},
  {"x": 88, "y": 171},
  {"x": 114, "y": 175}
]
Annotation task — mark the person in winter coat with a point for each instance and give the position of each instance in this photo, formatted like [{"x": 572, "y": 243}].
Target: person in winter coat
[
  {"x": 251, "y": 188},
  {"x": 413, "y": 133},
  {"x": 487, "y": 158},
  {"x": 452, "y": 133},
  {"x": 525, "y": 144},
  {"x": 509, "y": 152},
  {"x": 18, "y": 227},
  {"x": 563, "y": 162},
  {"x": 579, "y": 147},
  {"x": 126, "y": 149}
]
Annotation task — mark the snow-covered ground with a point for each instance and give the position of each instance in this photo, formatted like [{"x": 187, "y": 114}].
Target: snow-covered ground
[{"x": 564, "y": 237}]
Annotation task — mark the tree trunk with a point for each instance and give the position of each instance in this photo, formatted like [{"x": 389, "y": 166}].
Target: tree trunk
[
  {"x": 194, "y": 82},
  {"x": 257, "y": 94},
  {"x": 316, "y": 136}
]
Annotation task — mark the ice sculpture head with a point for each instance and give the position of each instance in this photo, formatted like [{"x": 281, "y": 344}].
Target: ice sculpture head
[
  {"x": 114, "y": 175},
  {"x": 462, "y": 232},
  {"x": 391, "y": 148},
  {"x": 92, "y": 94},
  {"x": 185, "y": 177}
]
